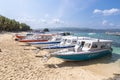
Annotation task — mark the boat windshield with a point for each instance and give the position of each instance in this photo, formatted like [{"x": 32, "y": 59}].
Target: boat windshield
[
  {"x": 64, "y": 40},
  {"x": 74, "y": 42},
  {"x": 108, "y": 45},
  {"x": 68, "y": 41},
  {"x": 87, "y": 45},
  {"x": 94, "y": 46},
  {"x": 79, "y": 43}
]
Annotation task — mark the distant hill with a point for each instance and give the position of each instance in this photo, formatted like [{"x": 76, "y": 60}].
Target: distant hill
[
  {"x": 75, "y": 29},
  {"x": 12, "y": 25}
]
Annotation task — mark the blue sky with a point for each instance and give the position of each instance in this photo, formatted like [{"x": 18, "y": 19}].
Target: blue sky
[{"x": 98, "y": 14}]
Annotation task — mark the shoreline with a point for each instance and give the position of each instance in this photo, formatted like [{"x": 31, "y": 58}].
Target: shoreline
[{"x": 17, "y": 63}]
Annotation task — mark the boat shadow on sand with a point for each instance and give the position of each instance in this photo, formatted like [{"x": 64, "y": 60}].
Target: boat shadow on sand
[{"x": 104, "y": 60}]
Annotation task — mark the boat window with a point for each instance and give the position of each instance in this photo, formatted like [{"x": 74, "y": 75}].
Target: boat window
[
  {"x": 65, "y": 40},
  {"x": 87, "y": 45},
  {"x": 69, "y": 41},
  {"x": 57, "y": 39},
  {"x": 53, "y": 39},
  {"x": 108, "y": 45},
  {"x": 78, "y": 43},
  {"x": 102, "y": 46},
  {"x": 29, "y": 34},
  {"x": 74, "y": 42},
  {"x": 94, "y": 46},
  {"x": 82, "y": 43}
]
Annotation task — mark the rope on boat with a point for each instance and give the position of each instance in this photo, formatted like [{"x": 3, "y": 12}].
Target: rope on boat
[
  {"x": 46, "y": 57},
  {"x": 37, "y": 51}
]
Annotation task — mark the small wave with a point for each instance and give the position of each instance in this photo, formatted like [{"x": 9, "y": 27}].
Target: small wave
[{"x": 91, "y": 33}]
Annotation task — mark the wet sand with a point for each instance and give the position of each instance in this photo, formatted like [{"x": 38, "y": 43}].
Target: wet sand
[{"x": 21, "y": 63}]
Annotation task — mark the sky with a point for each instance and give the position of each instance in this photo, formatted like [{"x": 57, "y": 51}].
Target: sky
[{"x": 97, "y": 14}]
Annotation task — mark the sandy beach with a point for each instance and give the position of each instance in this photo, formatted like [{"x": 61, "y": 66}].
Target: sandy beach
[{"x": 21, "y": 63}]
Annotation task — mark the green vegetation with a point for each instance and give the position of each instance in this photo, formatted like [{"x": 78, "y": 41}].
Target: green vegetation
[{"x": 11, "y": 25}]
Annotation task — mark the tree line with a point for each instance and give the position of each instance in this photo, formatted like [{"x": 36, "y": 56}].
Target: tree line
[{"x": 12, "y": 25}]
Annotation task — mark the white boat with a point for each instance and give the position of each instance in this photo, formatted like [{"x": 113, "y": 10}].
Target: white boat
[
  {"x": 67, "y": 42},
  {"x": 85, "y": 50},
  {"x": 54, "y": 40}
]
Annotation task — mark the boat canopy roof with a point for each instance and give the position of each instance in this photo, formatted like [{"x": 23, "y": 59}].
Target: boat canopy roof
[
  {"x": 98, "y": 40},
  {"x": 78, "y": 38}
]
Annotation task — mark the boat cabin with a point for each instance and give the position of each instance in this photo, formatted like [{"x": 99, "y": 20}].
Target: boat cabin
[
  {"x": 69, "y": 40},
  {"x": 72, "y": 40},
  {"x": 91, "y": 45},
  {"x": 56, "y": 38}
]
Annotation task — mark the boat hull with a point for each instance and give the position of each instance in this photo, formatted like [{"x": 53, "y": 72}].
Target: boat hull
[
  {"x": 84, "y": 56},
  {"x": 20, "y": 37},
  {"x": 32, "y": 40},
  {"x": 43, "y": 44},
  {"x": 57, "y": 48}
]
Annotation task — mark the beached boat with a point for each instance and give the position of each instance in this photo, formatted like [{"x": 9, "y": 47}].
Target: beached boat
[
  {"x": 22, "y": 36},
  {"x": 85, "y": 50},
  {"x": 67, "y": 42},
  {"x": 37, "y": 38},
  {"x": 53, "y": 41}
]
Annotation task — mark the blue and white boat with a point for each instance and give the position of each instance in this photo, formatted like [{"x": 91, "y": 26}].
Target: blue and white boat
[
  {"x": 68, "y": 42},
  {"x": 85, "y": 50},
  {"x": 53, "y": 41}
]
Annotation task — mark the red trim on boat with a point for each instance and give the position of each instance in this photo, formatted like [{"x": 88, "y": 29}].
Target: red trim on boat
[{"x": 33, "y": 40}]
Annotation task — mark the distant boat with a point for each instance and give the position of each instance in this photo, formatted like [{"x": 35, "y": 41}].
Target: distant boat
[
  {"x": 64, "y": 33},
  {"x": 113, "y": 33},
  {"x": 89, "y": 50}
]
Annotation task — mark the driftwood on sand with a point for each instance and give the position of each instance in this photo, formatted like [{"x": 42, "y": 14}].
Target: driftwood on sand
[{"x": 0, "y": 50}]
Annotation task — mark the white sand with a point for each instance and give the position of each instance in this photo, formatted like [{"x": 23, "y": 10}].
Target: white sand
[{"x": 19, "y": 64}]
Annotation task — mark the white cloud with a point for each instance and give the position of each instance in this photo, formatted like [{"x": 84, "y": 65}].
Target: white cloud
[
  {"x": 111, "y": 24},
  {"x": 106, "y": 12},
  {"x": 97, "y": 11},
  {"x": 56, "y": 21},
  {"x": 46, "y": 15},
  {"x": 107, "y": 23},
  {"x": 43, "y": 21},
  {"x": 104, "y": 22}
]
